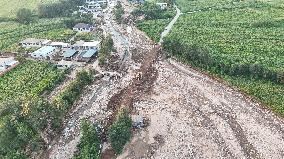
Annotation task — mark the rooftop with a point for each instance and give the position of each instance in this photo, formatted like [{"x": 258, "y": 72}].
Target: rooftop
[
  {"x": 69, "y": 53},
  {"x": 7, "y": 61},
  {"x": 82, "y": 25},
  {"x": 43, "y": 51},
  {"x": 34, "y": 40},
  {"x": 58, "y": 44},
  {"x": 93, "y": 43},
  {"x": 90, "y": 53}
]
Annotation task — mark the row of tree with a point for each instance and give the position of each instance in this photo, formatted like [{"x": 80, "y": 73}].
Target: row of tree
[
  {"x": 199, "y": 56},
  {"x": 61, "y": 8},
  {"x": 152, "y": 11},
  {"x": 106, "y": 47},
  {"x": 50, "y": 10}
]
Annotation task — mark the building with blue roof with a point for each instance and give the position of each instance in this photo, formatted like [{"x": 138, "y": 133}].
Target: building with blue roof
[
  {"x": 68, "y": 54},
  {"x": 90, "y": 53},
  {"x": 44, "y": 52},
  {"x": 87, "y": 55}
]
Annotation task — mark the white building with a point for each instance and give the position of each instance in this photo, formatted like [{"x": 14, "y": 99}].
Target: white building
[
  {"x": 59, "y": 45},
  {"x": 101, "y": 2},
  {"x": 162, "y": 5},
  {"x": 81, "y": 45},
  {"x": 44, "y": 53},
  {"x": 32, "y": 42},
  {"x": 82, "y": 27},
  {"x": 7, "y": 62}
]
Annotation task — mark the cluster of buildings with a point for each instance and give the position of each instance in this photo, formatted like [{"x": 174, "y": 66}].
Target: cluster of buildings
[
  {"x": 92, "y": 6},
  {"x": 47, "y": 49}
]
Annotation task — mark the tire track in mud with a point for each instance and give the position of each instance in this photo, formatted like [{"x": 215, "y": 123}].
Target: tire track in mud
[{"x": 230, "y": 117}]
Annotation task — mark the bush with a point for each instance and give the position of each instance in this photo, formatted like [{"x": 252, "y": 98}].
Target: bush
[
  {"x": 89, "y": 146},
  {"x": 120, "y": 132}
]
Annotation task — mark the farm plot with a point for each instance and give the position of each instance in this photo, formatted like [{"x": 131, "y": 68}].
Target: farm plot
[
  {"x": 243, "y": 45},
  {"x": 9, "y": 8},
  {"x": 10, "y": 36},
  {"x": 203, "y": 5},
  {"x": 29, "y": 80}
]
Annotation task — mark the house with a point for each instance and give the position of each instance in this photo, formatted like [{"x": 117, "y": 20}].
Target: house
[
  {"x": 44, "y": 53},
  {"x": 69, "y": 54},
  {"x": 162, "y": 5},
  {"x": 82, "y": 27},
  {"x": 6, "y": 63},
  {"x": 91, "y": 45},
  {"x": 94, "y": 7},
  {"x": 59, "y": 45},
  {"x": 82, "y": 45},
  {"x": 32, "y": 42},
  {"x": 101, "y": 2},
  {"x": 65, "y": 64},
  {"x": 86, "y": 56}
]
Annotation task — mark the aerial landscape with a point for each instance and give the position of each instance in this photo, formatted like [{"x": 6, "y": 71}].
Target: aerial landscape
[{"x": 135, "y": 79}]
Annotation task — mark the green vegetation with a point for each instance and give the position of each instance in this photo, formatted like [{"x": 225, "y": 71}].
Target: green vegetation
[
  {"x": 155, "y": 19},
  {"x": 28, "y": 80},
  {"x": 69, "y": 95},
  {"x": 105, "y": 49},
  {"x": 89, "y": 146},
  {"x": 243, "y": 44},
  {"x": 118, "y": 12},
  {"x": 10, "y": 36},
  {"x": 23, "y": 120},
  {"x": 84, "y": 36},
  {"x": 152, "y": 11},
  {"x": 153, "y": 28},
  {"x": 9, "y": 8},
  {"x": 119, "y": 133},
  {"x": 61, "y": 8}
]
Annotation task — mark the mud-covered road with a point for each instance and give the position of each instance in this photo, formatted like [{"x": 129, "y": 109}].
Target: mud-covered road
[{"x": 196, "y": 116}]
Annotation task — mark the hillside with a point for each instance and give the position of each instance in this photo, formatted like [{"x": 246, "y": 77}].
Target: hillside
[{"x": 9, "y": 7}]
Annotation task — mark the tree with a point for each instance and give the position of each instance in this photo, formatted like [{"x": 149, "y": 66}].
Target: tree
[
  {"x": 24, "y": 16},
  {"x": 120, "y": 132},
  {"x": 89, "y": 146}
]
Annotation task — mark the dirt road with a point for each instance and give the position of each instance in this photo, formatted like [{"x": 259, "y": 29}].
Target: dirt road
[{"x": 197, "y": 117}]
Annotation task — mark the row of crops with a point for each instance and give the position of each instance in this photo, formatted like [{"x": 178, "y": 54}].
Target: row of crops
[
  {"x": 244, "y": 45},
  {"x": 29, "y": 80},
  {"x": 10, "y": 36}
]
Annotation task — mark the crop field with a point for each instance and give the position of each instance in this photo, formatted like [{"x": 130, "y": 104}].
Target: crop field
[
  {"x": 233, "y": 40},
  {"x": 189, "y": 6},
  {"x": 153, "y": 28},
  {"x": 15, "y": 33},
  {"x": 29, "y": 80},
  {"x": 9, "y": 8}
]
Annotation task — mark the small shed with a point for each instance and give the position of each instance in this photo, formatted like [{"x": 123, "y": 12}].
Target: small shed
[{"x": 162, "y": 5}]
